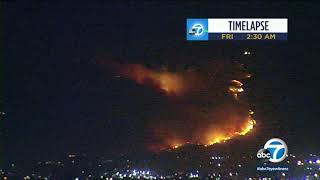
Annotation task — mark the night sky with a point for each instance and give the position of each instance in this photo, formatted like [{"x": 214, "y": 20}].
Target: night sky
[{"x": 58, "y": 99}]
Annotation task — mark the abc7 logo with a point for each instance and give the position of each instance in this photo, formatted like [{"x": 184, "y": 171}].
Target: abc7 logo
[
  {"x": 197, "y": 29},
  {"x": 277, "y": 153}
]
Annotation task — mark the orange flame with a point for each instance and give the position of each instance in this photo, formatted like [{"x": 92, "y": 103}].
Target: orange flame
[
  {"x": 173, "y": 84},
  {"x": 221, "y": 137},
  {"x": 218, "y": 138}
]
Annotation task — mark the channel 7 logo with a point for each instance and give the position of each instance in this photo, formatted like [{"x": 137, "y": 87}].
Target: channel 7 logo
[
  {"x": 197, "y": 30},
  {"x": 275, "y": 150}
]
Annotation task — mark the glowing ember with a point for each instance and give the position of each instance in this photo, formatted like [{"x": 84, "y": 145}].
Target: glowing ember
[
  {"x": 176, "y": 146},
  {"x": 235, "y": 88},
  {"x": 238, "y": 83}
]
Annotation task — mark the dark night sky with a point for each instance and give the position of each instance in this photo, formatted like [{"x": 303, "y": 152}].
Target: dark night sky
[{"x": 57, "y": 100}]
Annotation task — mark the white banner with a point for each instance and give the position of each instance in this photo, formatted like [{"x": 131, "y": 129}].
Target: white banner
[{"x": 248, "y": 25}]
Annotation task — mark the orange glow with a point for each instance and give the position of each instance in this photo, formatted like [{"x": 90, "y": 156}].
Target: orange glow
[
  {"x": 175, "y": 143},
  {"x": 238, "y": 83},
  {"x": 220, "y": 137},
  {"x": 187, "y": 119},
  {"x": 235, "y": 88},
  {"x": 176, "y": 146},
  {"x": 248, "y": 127},
  {"x": 168, "y": 82}
]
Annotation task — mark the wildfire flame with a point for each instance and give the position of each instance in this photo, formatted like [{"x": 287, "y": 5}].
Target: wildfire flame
[
  {"x": 235, "y": 88},
  {"x": 174, "y": 84},
  {"x": 224, "y": 137}
]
